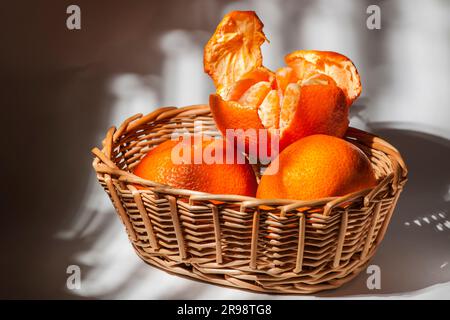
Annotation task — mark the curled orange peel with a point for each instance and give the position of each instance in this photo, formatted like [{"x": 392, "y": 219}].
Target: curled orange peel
[{"x": 234, "y": 48}]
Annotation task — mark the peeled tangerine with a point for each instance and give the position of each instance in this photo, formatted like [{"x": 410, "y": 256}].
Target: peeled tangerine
[{"x": 311, "y": 95}]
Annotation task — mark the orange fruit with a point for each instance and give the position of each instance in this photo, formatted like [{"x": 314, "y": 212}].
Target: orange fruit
[
  {"x": 312, "y": 95},
  {"x": 315, "y": 167},
  {"x": 182, "y": 165}
]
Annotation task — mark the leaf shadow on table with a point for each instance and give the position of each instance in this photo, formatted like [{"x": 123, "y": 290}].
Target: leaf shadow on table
[{"x": 415, "y": 251}]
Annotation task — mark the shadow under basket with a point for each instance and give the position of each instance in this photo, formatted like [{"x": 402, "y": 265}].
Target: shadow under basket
[{"x": 276, "y": 246}]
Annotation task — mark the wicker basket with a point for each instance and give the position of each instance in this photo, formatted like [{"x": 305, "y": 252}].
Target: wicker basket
[{"x": 277, "y": 246}]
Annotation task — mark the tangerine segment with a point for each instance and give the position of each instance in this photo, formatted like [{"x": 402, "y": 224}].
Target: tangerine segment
[
  {"x": 260, "y": 74},
  {"x": 269, "y": 111},
  {"x": 234, "y": 49},
  {"x": 318, "y": 79},
  {"x": 290, "y": 105},
  {"x": 283, "y": 77},
  {"x": 340, "y": 68},
  {"x": 236, "y": 90},
  {"x": 255, "y": 95}
]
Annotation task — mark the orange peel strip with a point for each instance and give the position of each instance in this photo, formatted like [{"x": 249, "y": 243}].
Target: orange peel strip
[{"x": 234, "y": 49}]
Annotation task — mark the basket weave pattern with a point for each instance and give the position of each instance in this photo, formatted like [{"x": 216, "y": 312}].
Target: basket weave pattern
[{"x": 278, "y": 246}]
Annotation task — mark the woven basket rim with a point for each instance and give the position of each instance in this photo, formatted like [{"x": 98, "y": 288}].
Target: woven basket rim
[{"x": 103, "y": 164}]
